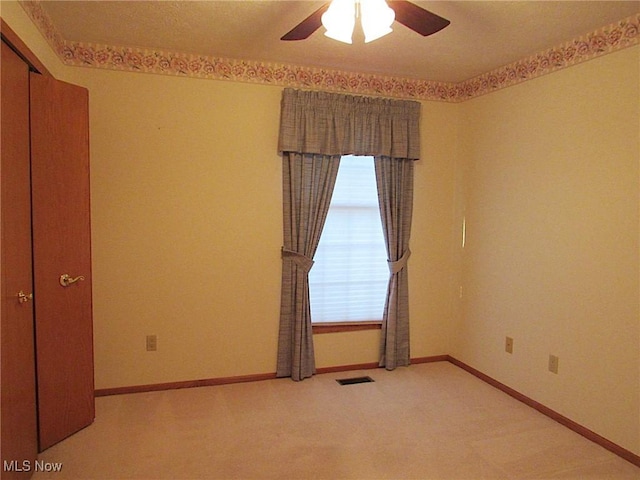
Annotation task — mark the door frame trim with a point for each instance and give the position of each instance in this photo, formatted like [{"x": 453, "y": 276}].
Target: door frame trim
[{"x": 13, "y": 40}]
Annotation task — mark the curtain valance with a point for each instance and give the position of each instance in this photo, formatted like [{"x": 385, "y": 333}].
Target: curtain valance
[{"x": 334, "y": 124}]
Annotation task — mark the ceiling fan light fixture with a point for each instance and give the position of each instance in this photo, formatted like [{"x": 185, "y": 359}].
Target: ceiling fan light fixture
[
  {"x": 376, "y": 18},
  {"x": 340, "y": 20}
]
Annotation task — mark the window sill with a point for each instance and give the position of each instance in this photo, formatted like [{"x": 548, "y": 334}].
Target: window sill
[{"x": 345, "y": 327}]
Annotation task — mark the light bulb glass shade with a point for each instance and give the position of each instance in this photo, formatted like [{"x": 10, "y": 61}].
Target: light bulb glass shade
[
  {"x": 376, "y": 17},
  {"x": 340, "y": 20}
]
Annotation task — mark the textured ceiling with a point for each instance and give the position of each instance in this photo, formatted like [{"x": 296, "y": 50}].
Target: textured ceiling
[{"x": 483, "y": 35}]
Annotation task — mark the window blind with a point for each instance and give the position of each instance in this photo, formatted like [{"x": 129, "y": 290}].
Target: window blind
[{"x": 348, "y": 282}]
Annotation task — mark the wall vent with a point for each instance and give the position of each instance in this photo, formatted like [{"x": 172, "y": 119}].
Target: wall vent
[{"x": 354, "y": 380}]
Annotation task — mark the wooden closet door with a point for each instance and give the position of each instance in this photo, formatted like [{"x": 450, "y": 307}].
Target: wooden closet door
[
  {"x": 19, "y": 428},
  {"x": 61, "y": 246}
]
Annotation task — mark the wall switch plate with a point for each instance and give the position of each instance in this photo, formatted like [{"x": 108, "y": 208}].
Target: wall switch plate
[
  {"x": 508, "y": 345},
  {"x": 553, "y": 364},
  {"x": 152, "y": 343}
]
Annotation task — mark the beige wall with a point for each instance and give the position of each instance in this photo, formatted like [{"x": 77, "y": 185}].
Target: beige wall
[
  {"x": 186, "y": 207},
  {"x": 187, "y": 229},
  {"x": 551, "y": 258}
]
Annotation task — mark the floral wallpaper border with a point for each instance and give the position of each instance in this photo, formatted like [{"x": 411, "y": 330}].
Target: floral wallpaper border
[{"x": 611, "y": 38}]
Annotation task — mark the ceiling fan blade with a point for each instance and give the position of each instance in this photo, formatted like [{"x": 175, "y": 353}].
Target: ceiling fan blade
[
  {"x": 417, "y": 18},
  {"x": 309, "y": 25}
]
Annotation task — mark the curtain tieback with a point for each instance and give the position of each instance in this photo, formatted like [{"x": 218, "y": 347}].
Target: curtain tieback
[
  {"x": 395, "y": 267},
  {"x": 300, "y": 259}
]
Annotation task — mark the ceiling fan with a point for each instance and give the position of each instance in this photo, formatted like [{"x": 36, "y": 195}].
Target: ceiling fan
[{"x": 409, "y": 14}]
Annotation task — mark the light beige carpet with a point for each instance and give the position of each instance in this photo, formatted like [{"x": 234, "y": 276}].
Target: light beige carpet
[{"x": 428, "y": 421}]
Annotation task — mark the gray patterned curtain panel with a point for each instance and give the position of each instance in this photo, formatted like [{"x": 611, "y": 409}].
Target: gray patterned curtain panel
[{"x": 316, "y": 129}]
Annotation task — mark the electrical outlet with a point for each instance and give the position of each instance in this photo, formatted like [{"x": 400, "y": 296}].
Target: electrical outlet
[
  {"x": 508, "y": 345},
  {"x": 152, "y": 343},
  {"x": 553, "y": 364}
]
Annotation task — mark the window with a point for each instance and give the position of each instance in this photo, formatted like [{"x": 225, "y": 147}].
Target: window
[{"x": 348, "y": 281}]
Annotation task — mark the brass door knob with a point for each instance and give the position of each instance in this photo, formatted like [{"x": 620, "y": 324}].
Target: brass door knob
[
  {"x": 66, "y": 279},
  {"x": 24, "y": 297}
]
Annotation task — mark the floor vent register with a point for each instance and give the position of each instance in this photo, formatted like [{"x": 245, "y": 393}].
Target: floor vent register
[{"x": 354, "y": 380}]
